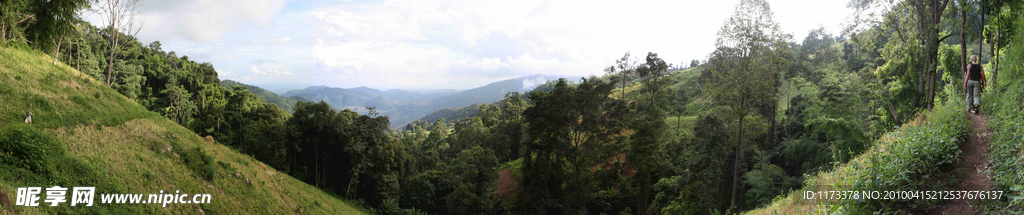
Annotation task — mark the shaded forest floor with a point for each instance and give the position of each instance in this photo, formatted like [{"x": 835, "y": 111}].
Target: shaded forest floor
[{"x": 972, "y": 164}]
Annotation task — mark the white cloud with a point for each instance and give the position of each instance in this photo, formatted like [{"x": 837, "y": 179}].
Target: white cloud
[
  {"x": 449, "y": 44},
  {"x": 202, "y": 20},
  {"x": 484, "y": 63},
  {"x": 530, "y": 83},
  {"x": 269, "y": 72}
]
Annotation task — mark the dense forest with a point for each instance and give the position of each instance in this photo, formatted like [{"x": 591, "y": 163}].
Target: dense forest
[{"x": 762, "y": 112}]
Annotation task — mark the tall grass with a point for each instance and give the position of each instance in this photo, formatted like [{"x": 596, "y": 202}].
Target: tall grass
[{"x": 1006, "y": 121}]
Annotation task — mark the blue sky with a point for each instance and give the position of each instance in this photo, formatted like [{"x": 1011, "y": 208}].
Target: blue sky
[{"x": 426, "y": 44}]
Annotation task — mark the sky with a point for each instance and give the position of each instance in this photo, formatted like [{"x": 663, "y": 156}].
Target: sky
[{"x": 428, "y": 44}]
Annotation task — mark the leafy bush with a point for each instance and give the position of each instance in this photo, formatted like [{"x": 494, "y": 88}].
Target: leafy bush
[
  {"x": 913, "y": 160},
  {"x": 22, "y": 145},
  {"x": 199, "y": 162},
  {"x": 1003, "y": 105}
]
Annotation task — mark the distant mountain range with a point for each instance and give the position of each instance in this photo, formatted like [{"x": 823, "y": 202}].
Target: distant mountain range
[
  {"x": 405, "y": 106},
  {"x": 286, "y": 103}
]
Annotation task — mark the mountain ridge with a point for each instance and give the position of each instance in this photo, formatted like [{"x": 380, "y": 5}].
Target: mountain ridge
[{"x": 404, "y": 106}]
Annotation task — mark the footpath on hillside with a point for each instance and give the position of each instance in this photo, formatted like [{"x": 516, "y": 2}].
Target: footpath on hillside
[{"x": 974, "y": 153}]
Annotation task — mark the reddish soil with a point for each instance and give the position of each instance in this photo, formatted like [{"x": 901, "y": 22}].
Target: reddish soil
[
  {"x": 506, "y": 184},
  {"x": 621, "y": 157},
  {"x": 972, "y": 162},
  {"x": 5, "y": 202}
]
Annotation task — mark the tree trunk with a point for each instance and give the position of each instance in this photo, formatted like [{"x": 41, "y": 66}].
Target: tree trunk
[
  {"x": 113, "y": 45},
  {"x": 353, "y": 180},
  {"x": 963, "y": 41},
  {"x": 894, "y": 114},
  {"x": 78, "y": 65},
  {"x": 736, "y": 165},
  {"x": 623, "y": 94},
  {"x": 930, "y": 16},
  {"x": 56, "y": 54},
  {"x": 981, "y": 33},
  {"x": 963, "y": 48},
  {"x": 920, "y": 78},
  {"x": 995, "y": 53},
  {"x": 931, "y": 90}
]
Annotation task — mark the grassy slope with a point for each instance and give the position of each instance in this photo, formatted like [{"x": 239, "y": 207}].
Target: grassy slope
[
  {"x": 685, "y": 79},
  {"x": 115, "y": 144},
  {"x": 1006, "y": 121}
]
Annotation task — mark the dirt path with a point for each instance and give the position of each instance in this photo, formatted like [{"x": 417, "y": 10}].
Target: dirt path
[{"x": 972, "y": 162}]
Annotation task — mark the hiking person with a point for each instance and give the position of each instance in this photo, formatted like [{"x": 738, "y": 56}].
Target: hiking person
[
  {"x": 974, "y": 82},
  {"x": 28, "y": 116}
]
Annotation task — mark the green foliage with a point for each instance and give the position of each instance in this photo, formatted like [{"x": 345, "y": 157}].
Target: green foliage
[
  {"x": 575, "y": 128},
  {"x": 181, "y": 108},
  {"x": 452, "y": 114},
  {"x": 1003, "y": 104},
  {"x": 54, "y": 21},
  {"x": 473, "y": 174},
  {"x": 914, "y": 161},
  {"x": 952, "y": 76},
  {"x": 766, "y": 181},
  {"x": 286, "y": 103},
  {"x": 128, "y": 79},
  {"x": 745, "y": 69},
  {"x": 25, "y": 146},
  {"x": 199, "y": 162}
]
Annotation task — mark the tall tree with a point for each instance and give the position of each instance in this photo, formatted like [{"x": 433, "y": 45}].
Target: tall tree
[
  {"x": 316, "y": 129},
  {"x": 625, "y": 67},
  {"x": 118, "y": 16},
  {"x": 573, "y": 128},
  {"x": 928, "y": 17},
  {"x": 652, "y": 75},
  {"x": 55, "y": 21},
  {"x": 963, "y": 39},
  {"x": 750, "y": 53},
  {"x": 647, "y": 144}
]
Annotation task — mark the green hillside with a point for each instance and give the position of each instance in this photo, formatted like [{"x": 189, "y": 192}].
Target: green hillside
[
  {"x": 286, "y": 103},
  {"x": 86, "y": 134},
  {"x": 452, "y": 114}
]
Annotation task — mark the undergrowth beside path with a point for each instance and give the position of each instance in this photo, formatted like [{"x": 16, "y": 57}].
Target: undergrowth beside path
[{"x": 916, "y": 156}]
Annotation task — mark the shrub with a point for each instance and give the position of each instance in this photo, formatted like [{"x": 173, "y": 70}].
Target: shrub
[
  {"x": 199, "y": 162},
  {"x": 23, "y": 145},
  {"x": 913, "y": 160}
]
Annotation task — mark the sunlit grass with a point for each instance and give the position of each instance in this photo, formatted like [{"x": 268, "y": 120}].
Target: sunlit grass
[{"x": 122, "y": 146}]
